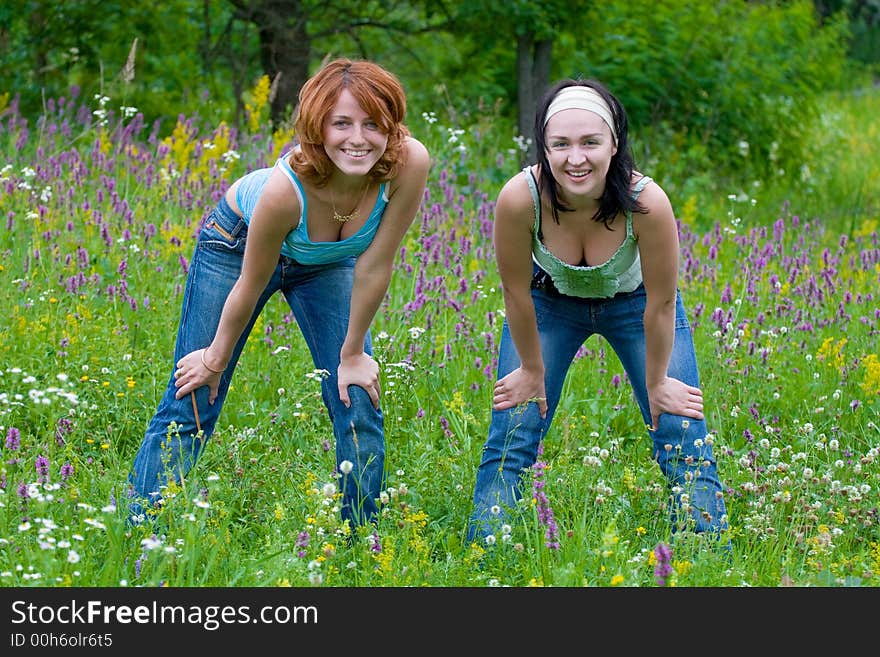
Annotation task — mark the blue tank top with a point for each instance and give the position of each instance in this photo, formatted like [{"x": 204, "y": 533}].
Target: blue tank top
[{"x": 297, "y": 244}]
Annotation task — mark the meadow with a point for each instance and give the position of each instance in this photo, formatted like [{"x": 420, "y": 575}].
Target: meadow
[{"x": 99, "y": 215}]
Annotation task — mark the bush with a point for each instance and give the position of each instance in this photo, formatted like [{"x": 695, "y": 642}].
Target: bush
[{"x": 738, "y": 82}]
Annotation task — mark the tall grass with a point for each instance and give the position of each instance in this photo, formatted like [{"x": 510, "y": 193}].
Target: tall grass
[{"x": 99, "y": 216}]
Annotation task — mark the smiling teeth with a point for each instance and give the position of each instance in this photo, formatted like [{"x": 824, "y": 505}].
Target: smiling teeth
[
  {"x": 578, "y": 174},
  {"x": 356, "y": 153}
]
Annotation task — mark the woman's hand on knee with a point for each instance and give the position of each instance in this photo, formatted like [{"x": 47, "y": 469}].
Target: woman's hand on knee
[
  {"x": 519, "y": 387},
  {"x": 360, "y": 370},
  {"x": 192, "y": 373},
  {"x": 674, "y": 397}
]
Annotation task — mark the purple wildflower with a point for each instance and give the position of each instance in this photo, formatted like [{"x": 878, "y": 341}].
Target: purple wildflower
[
  {"x": 42, "y": 467},
  {"x": 375, "y": 543},
  {"x": 545, "y": 511},
  {"x": 13, "y": 438},
  {"x": 66, "y": 471},
  {"x": 302, "y": 542},
  {"x": 62, "y": 428},
  {"x": 662, "y": 569}
]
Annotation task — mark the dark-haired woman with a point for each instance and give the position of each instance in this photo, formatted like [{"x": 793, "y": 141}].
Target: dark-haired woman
[{"x": 587, "y": 245}]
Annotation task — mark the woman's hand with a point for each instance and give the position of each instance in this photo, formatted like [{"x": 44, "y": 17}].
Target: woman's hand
[
  {"x": 675, "y": 397},
  {"x": 192, "y": 373},
  {"x": 519, "y": 387},
  {"x": 360, "y": 370}
]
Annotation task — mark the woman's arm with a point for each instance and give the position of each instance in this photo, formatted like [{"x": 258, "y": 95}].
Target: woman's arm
[
  {"x": 270, "y": 223},
  {"x": 514, "y": 219},
  {"x": 657, "y": 234},
  {"x": 372, "y": 273}
]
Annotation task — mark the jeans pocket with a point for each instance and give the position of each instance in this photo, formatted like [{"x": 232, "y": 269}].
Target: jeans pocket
[{"x": 223, "y": 230}]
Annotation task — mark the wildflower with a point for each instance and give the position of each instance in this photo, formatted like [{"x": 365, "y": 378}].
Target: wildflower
[
  {"x": 302, "y": 542},
  {"x": 151, "y": 543},
  {"x": 662, "y": 568},
  {"x": 871, "y": 382},
  {"x": 42, "y": 467},
  {"x": 13, "y": 439},
  {"x": 545, "y": 511},
  {"x": 66, "y": 471},
  {"x": 346, "y": 467},
  {"x": 63, "y": 427}
]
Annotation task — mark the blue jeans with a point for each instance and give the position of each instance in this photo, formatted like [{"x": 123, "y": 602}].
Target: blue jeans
[
  {"x": 564, "y": 323},
  {"x": 319, "y": 296}
]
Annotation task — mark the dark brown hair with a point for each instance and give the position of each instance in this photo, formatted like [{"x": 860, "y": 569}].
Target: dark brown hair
[{"x": 617, "y": 196}]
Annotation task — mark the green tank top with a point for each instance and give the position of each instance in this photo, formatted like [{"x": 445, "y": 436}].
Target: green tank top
[{"x": 622, "y": 272}]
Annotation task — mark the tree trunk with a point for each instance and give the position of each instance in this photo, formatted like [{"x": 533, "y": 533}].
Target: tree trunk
[
  {"x": 533, "y": 76},
  {"x": 285, "y": 50}
]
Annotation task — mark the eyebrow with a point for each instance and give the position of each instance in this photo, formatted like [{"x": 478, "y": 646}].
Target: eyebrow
[
  {"x": 589, "y": 134},
  {"x": 348, "y": 117}
]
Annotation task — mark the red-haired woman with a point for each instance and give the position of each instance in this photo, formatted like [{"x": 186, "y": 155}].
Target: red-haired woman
[{"x": 322, "y": 226}]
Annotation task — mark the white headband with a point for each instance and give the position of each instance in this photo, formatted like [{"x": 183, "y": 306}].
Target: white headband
[{"x": 585, "y": 98}]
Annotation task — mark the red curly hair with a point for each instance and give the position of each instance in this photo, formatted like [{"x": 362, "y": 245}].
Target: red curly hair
[{"x": 376, "y": 90}]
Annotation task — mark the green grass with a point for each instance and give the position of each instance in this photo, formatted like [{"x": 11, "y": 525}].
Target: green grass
[{"x": 780, "y": 278}]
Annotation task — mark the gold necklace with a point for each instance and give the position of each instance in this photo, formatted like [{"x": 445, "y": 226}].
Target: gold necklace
[{"x": 345, "y": 218}]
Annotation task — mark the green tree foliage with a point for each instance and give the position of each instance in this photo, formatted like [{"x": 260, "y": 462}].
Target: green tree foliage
[
  {"x": 52, "y": 49},
  {"x": 864, "y": 20},
  {"x": 732, "y": 83}
]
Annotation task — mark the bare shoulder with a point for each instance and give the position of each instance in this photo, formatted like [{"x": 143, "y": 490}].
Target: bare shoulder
[
  {"x": 415, "y": 171},
  {"x": 417, "y": 153},
  {"x": 279, "y": 201},
  {"x": 515, "y": 197},
  {"x": 652, "y": 197},
  {"x": 659, "y": 218}
]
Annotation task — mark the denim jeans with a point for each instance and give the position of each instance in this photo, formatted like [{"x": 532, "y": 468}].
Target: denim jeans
[
  {"x": 564, "y": 323},
  {"x": 319, "y": 296}
]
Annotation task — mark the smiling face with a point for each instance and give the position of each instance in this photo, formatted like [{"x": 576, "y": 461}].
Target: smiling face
[
  {"x": 353, "y": 141},
  {"x": 579, "y": 149}
]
